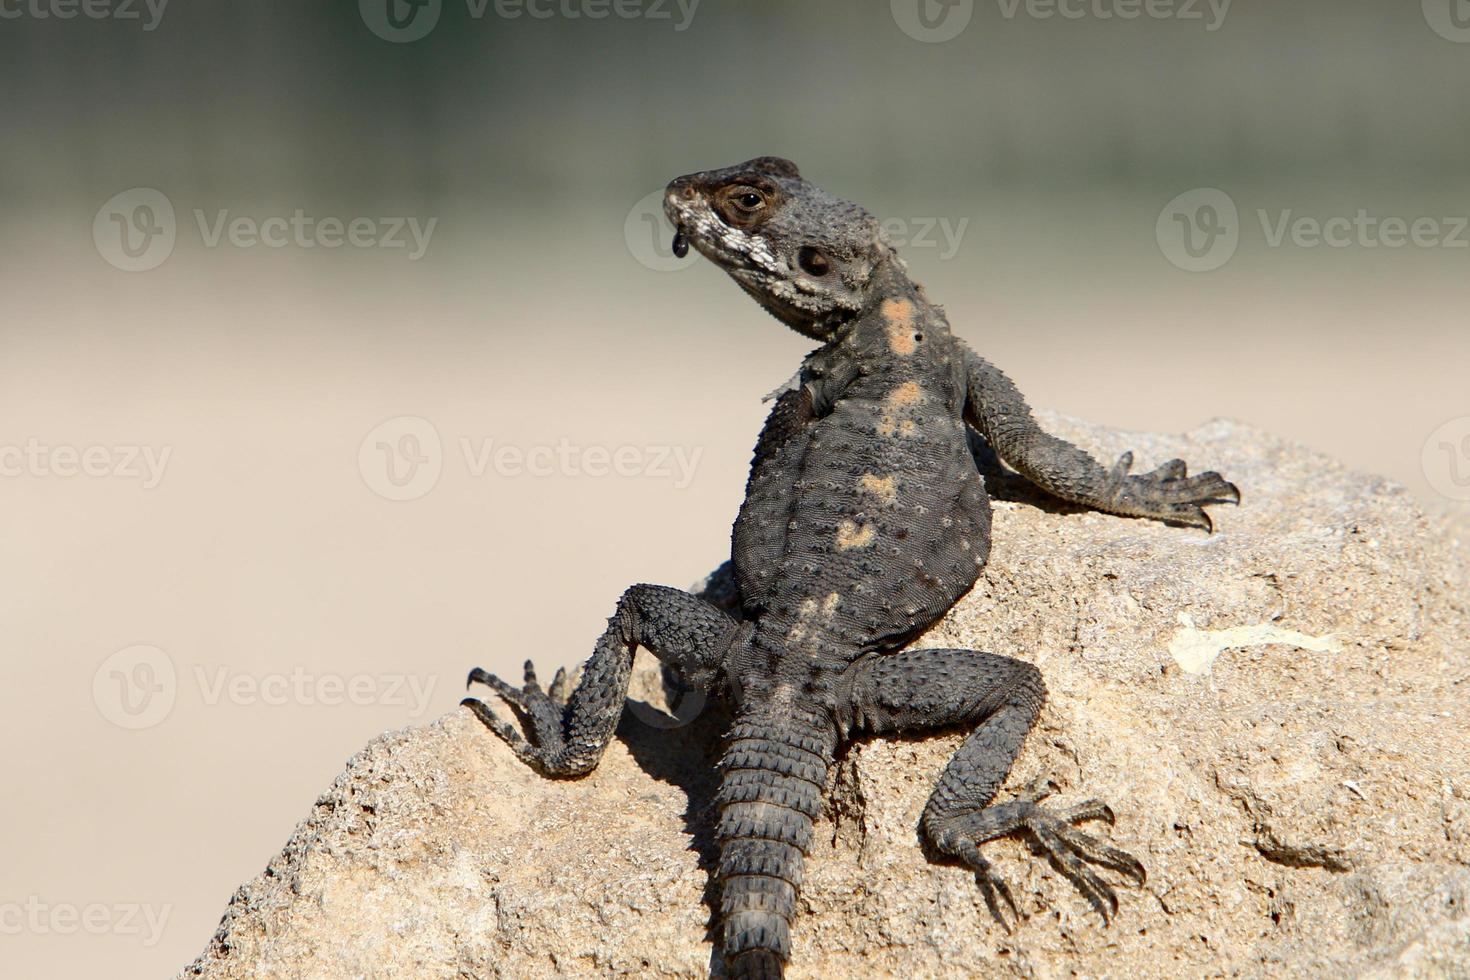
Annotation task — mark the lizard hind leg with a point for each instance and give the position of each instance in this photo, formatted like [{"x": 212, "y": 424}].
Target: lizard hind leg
[
  {"x": 918, "y": 690},
  {"x": 570, "y": 731}
]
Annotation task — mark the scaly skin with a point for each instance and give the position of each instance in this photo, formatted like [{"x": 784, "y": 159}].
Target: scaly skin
[{"x": 865, "y": 519}]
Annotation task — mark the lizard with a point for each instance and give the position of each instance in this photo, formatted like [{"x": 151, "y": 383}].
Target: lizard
[{"x": 865, "y": 519}]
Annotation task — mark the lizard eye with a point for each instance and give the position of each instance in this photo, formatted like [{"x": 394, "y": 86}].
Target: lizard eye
[
  {"x": 812, "y": 262},
  {"x": 742, "y": 205}
]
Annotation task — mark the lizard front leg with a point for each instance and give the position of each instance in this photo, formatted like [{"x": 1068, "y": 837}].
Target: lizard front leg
[
  {"x": 996, "y": 407},
  {"x": 569, "y": 735},
  {"x": 918, "y": 690}
]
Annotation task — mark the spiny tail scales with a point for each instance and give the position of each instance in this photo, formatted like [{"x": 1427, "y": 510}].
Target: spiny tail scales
[{"x": 775, "y": 769}]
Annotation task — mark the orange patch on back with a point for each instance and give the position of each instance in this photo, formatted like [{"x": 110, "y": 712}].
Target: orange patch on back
[
  {"x": 905, "y": 396},
  {"x": 885, "y": 488},
  {"x": 850, "y": 535},
  {"x": 806, "y": 616},
  {"x": 899, "y": 314}
]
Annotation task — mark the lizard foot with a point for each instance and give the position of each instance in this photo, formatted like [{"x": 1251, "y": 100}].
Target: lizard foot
[
  {"x": 1169, "y": 493},
  {"x": 1053, "y": 833},
  {"x": 543, "y": 712}
]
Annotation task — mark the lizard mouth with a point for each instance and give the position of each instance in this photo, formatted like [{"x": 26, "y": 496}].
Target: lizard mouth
[
  {"x": 696, "y": 227},
  {"x": 692, "y": 232}
]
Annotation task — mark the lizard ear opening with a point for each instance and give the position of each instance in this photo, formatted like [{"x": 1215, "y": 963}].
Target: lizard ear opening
[{"x": 812, "y": 262}]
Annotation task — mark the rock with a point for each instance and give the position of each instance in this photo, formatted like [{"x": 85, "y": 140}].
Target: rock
[{"x": 1279, "y": 715}]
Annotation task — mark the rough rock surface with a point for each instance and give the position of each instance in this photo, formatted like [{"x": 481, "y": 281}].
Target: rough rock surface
[{"x": 1279, "y": 714}]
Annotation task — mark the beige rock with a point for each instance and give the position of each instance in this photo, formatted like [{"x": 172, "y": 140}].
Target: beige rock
[{"x": 1279, "y": 714}]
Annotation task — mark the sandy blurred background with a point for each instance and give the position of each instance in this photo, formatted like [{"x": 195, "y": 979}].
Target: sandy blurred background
[{"x": 261, "y": 503}]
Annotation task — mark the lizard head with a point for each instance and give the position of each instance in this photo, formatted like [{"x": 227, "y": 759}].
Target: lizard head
[{"x": 805, "y": 256}]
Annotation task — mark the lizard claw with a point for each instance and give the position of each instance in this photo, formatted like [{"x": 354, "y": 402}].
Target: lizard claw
[
  {"x": 530, "y": 676},
  {"x": 542, "y": 713},
  {"x": 991, "y": 886},
  {"x": 1054, "y": 834},
  {"x": 1071, "y": 851},
  {"x": 1169, "y": 493},
  {"x": 558, "y": 690}
]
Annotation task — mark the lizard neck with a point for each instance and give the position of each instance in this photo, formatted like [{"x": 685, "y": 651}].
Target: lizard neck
[
  {"x": 888, "y": 279},
  {"x": 898, "y": 330}
]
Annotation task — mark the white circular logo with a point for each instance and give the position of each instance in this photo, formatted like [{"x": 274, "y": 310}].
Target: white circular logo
[
  {"x": 932, "y": 21},
  {"x": 1450, "y": 19},
  {"x": 690, "y": 705},
  {"x": 650, "y": 237},
  {"x": 1199, "y": 230},
  {"x": 1446, "y": 458},
  {"x": 400, "y": 21},
  {"x": 135, "y": 230},
  {"x": 135, "y": 687},
  {"x": 402, "y": 458}
]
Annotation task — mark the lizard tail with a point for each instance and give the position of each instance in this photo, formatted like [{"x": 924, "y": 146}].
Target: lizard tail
[{"x": 771, "y": 791}]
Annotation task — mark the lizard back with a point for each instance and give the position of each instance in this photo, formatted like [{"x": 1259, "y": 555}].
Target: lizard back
[{"x": 865, "y": 518}]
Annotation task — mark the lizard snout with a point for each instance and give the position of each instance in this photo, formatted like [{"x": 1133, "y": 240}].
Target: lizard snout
[
  {"x": 682, "y": 188},
  {"x": 680, "y": 195}
]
